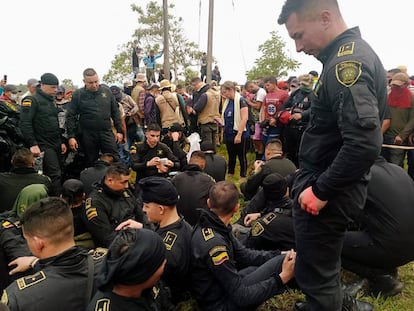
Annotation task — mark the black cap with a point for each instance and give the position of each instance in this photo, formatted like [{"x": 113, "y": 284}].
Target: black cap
[
  {"x": 115, "y": 89},
  {"x": 206, "y": 146},
  {"x": 72, "y": 188},
  {"x": 49, "y": 79},
  {"x": 10, "y": 88},
  {"x": 159, "y": 190},
  {"x": 175, "y": 127},
  {"x": 274, "y": 187}
]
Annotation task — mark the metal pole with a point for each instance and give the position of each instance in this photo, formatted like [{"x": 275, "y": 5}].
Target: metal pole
[
  {"x": 210, "y": 40},
  {"x": 166, "y": 66}
]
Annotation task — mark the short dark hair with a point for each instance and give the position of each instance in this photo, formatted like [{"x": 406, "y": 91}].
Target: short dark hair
[
  {"x": 302, "y": 7},
  {"x": 195, "y": 79},
  {"x": 89, "y": 72},
  {"x": 270, "y": 79},
  {"x": 116, "y": 170},
  {"x": 273, "y": 144},
  {"x": 198, "y": 154},
  {"x": 153, "y": 127},
  {"x": 23, "y": 157},
  {"x": 50, "y": 218},
  {"x": 223, "y": 196}
]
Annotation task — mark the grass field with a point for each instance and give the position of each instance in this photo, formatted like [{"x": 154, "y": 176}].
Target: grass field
[{"x": 401, "y": 302}]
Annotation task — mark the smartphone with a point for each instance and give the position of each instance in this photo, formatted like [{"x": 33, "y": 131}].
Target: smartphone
[
  {"x": 5, "y": 78},
  {"x": 164, "y": 161}
]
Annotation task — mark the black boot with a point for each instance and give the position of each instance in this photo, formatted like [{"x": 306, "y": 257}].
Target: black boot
[
  {"x": 385, "y": 285},
  {"x": 352, "y": 289},
  {"x": 349, "y": 303}
]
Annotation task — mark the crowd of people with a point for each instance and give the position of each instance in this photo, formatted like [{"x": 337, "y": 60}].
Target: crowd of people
[{"x": 120, "y": 192}]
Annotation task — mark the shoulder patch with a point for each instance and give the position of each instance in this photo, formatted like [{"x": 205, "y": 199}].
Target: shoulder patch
[
  {"x": 348, "y": 72},
  {"x": 103, "y": 304},
  {"x": 220, "y": 258},
  {"x": 257, "y": 229},
  {"x": 268, "y": 218},
  {"x": 27, "y": 102},
  {"x": 31, "y": 280},
  {"x": 5, "y": 298},
  {"x": 7, "y": 224},
  {"x": 217, "y": 249},
  {"x": 207, "y": 233},
  {"x": 90, "y": 211},
  {"x": 169, "y": 240},
  {"x": 98, "y": 253},
  {"x": 346, "y": 49},
  {"x": 88, "y": 203}
]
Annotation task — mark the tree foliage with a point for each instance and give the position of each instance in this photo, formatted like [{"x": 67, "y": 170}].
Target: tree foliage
[
  {"x": 149, "y": 36},
  {"x": 273, "y": 60}
]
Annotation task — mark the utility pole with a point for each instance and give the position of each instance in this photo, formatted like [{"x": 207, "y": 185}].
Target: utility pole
[
  {"x": 166, "y": 42},
  {"x": 210, "y": 40}
]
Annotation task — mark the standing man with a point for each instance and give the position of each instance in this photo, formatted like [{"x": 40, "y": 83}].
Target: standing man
[
  {"x": 150, "y": 63},
  {"x": 338, "y": 147},
  {"x": 95, "y": 106},
  {"x": 40, "y": 128}
]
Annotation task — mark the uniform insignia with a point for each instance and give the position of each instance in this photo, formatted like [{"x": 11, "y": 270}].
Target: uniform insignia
[
  {"x": 91, "y": 213},
  {"x": 257, "y": 229},
  {"x": 348, "y": 72},
  {"x": 126, "y": 194},
  {"x": 169, "y": 240},
  {"x": 346, "y": 49},
  {"x": 217, "y": 249},
  {"x": 4, "y": 298},
  {"x": 88, "y": 203},
  {"x": 268, "y": 218},
  {"x": 7, "y": 224},
  {"x": 207, "y": 233},
  {"x": 317, "y": 88},
  {"x": 220, "y": 258},
  {"x": 159, "y": 152},
  {"x": 98, "y": 253},
  {"x": 133, "y": 150},
  {"x": 30, "y": 280},
  {"x": 155, "y": 292},
  {"x": 27, "y": 103},
  {"x": 103, "y": 304},
  {"x": 104, "y": 95}
]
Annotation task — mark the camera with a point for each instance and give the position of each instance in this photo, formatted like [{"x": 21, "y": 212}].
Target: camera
[{"x": 164, "y": 161}]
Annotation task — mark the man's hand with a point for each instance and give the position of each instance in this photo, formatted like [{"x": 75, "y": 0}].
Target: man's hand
[
  {"x": 22, "y": 264},
  {"x": 309, "y": 202},
  {"x": 258, "y": 165},
  {"x": 154, "y": 161},
  {"x": 73, "y": 144},
  {"x": 288, "y": 266},
  {"x": 35, "y": 150},
  {"x": 63, "y": 148},
  {"x": 175, "y": 136},
  {"x": 130, "y": 223},
  {"x": 249, "y": 218},
  {"x": 398, "y": 140},
  {"x": 119, "y": 138},
  {"x": 295, "y": 116}
]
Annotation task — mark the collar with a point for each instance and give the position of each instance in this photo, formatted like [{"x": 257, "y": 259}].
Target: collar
[{"x": 23, "y": 170}]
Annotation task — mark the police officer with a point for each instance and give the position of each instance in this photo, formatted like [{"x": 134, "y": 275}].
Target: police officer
[
  {"x": 146, "y": 156},
  {"x": 40, "y": 128},
  {"x": 95, "y": 106},
  {"x": 338, "y": 147},
  {"x": 226, "y": 275},
  {"x": 109, "y": 204},
  {"x": 64, "y": 273}
]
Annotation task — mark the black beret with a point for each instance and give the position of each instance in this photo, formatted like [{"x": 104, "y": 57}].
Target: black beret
[
  {"x": 159, "y": 190},
  {"x": 49, "y": 79},
  {"x": 274, "y": 187}
]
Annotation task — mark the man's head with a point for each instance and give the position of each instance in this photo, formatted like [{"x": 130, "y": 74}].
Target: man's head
[
  {"x": 274, "y": 187},
  {"x": 400, "y": 80},
  {"x": 152, "y": 134},
  {"x": 10, "y": 91},
  {"x": 159, "y": 196},
  {"x": 135, "y": 257},
  {"x": 23, "y": 157},
  {"x": 312, "y": 24},
  {"x": 141, "y": 78},
  {"x": 117, "y": 177},
  {"x": 197, "y": 83},
  {"x": 270, "y": 84},
  {"x": 91, "y": 79},
  {"x": 49, "y": 83},
  {"x": 223, "y": 198},
  {"x": 48, "y": 227},
  {"x": 60, "y": 93},
  {"x": 198, "y": 157},
  {"x": 251, "y": 87},
  {"x": 274, "y": 148},
  {"x": 73, "y": 192}
]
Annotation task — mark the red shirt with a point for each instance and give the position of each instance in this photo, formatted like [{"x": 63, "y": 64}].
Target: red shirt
[{"x": 273, "y": 102}]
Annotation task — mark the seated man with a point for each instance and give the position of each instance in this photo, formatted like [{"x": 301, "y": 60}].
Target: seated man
[
  {"x": 178, "y": 143},
  {"x": 275, "y": 163},
  {"x": 269, "y": 214},
  {"x": 152, "y": 157},
  {"x": 94, "y": 174},
  {"x": 195, "y": 197},
  {"x": 110, "y": 204},
  {"x": 225, "y": 274},
  {"x": 160, "y": 198},
  {"x": 63, "y": 278},
  {"x": 134, "y": 263},
  {"x": 21, "y": 175},
  {"x": 385, "y": 240},
  {"x": 216, "y": 165}
]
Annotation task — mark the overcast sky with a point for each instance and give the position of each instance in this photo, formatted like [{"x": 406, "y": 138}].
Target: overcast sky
[{"x": 65, "y": 37}]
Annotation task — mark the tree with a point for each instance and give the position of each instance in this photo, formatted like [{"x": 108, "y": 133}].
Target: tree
[
  {"x": 273, "y": 61},
  {"x": 150, "y": 36}
]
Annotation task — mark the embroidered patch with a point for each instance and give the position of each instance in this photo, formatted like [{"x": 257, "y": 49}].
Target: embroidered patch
[
  {"x": 217, "y": 249},
  {"x": 30, "y": 280},
  {"x": 220, "y": 258},
  {"x": 348, "y": 72},
  {"x": 88, "y": 203},
  {"x": 169, "y": 240},
  {"x": 346, "y": 49},
  {"x": 126, "y": 194},
  {"x": 103, "y": 304},
  {"x": 7, "y": 224},
  {"x": 91, "y": 213},
  {"x": 207, "y": 233},
  {"x": 268, "y": 218},
  {"x": 160, "y": 152},
  {"x": 27, "y": 103},
  {"x": 4, "y": 298},
  {"x": 133, "y": 150},
  {"x": 104, "y": 95},
  {"x": 98, "y": 253},
  {"x": 257, "y": 229}
]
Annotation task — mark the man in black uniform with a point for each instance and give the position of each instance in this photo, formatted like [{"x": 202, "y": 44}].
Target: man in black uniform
[
  {"x": 160, "y": 198},
  {"x": 385, "y": 239},
  {"x": 40, "y": 128},
  {"x": 110, "y": 204},
  {"x": 95, "y": 106},
  {"x": 64, "y": 273},
  {"x": 152, "y": 157},
  {"x": 339, "y": 145},
  {"x": 225, "y": 274}
]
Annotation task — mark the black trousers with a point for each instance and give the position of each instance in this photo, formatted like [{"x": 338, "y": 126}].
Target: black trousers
[
  {"x": 52, "y": 160},
  {"x": 319, "y": 242},
  {"x": 94, "y": 142},
  {"x": 237, "y": 151},
  {"x": 292, "y": 137}
]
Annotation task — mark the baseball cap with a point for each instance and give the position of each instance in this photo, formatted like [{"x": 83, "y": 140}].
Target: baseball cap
[
  {"x": 10, "y": 88},
  {"x": 32, "y": 82}
]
